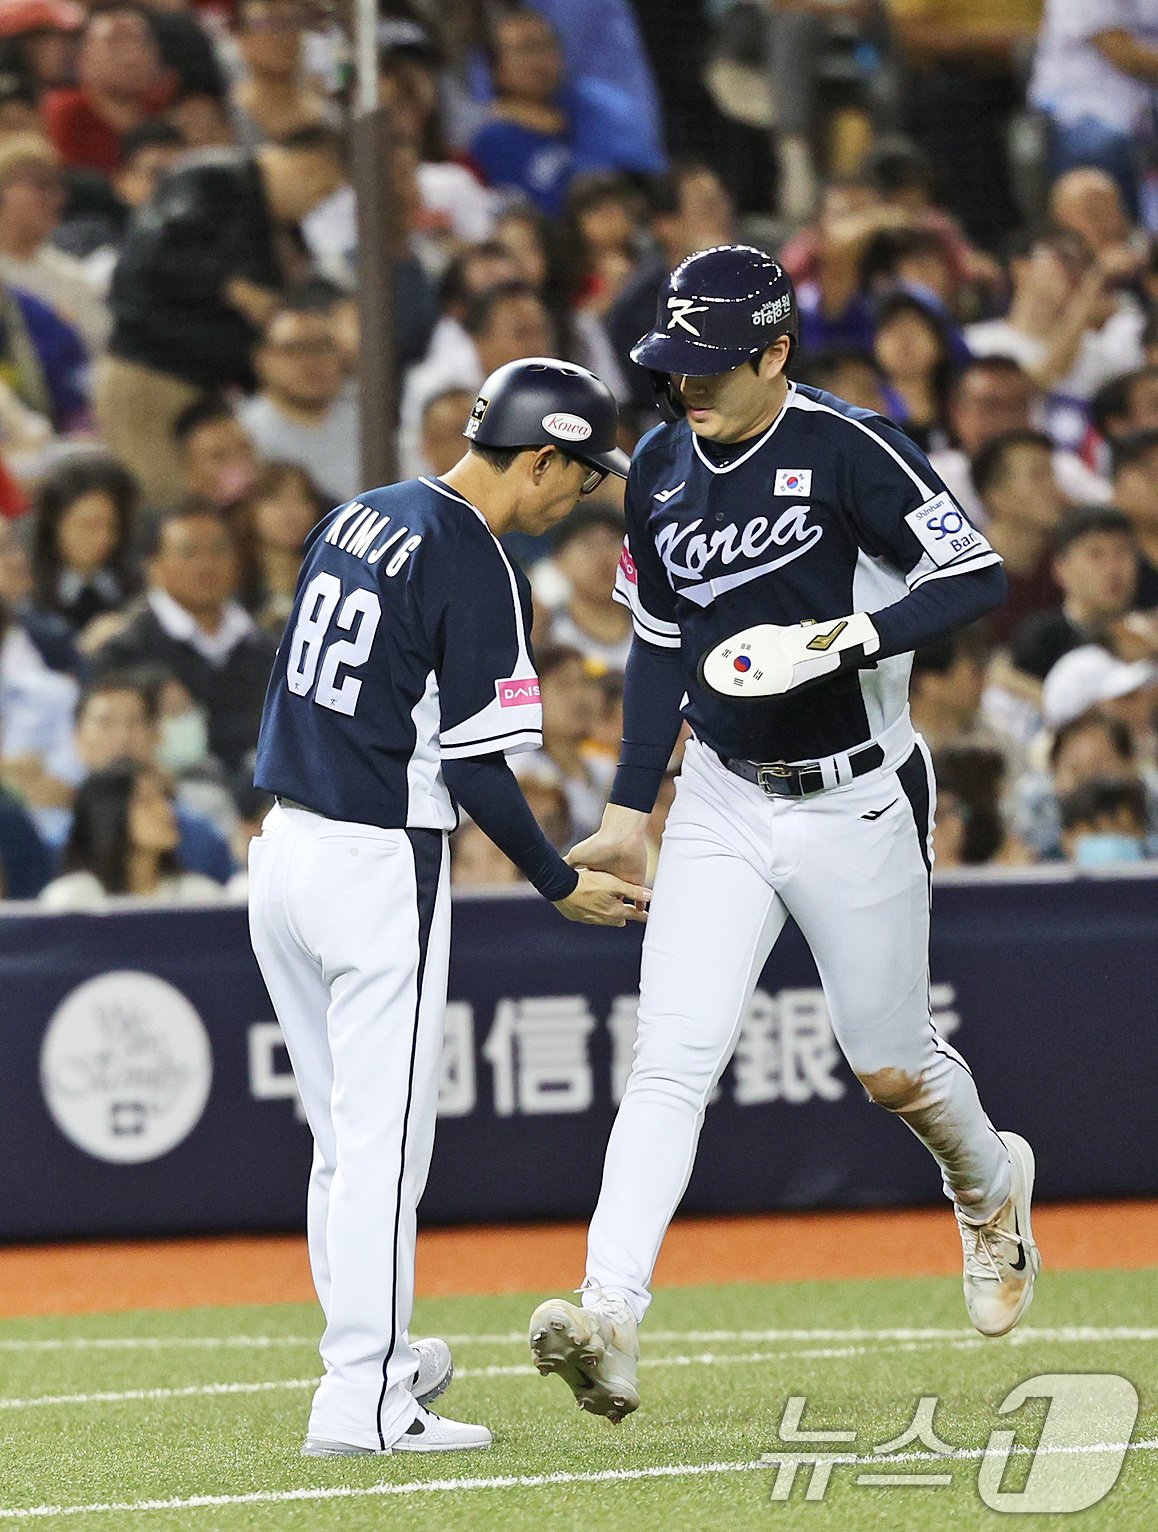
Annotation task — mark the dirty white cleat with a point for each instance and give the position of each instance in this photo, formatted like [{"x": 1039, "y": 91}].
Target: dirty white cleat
[
  {"x": 319, "y": 1447},
  {"x": 1001, "y": 1259},
  {"x": 595, "y": 1351},
  {"x": 435, "y": 1370},
  {"x": 428, "y": 1432}
]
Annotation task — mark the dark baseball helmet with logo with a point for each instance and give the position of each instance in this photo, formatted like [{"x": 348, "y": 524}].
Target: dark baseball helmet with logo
[
  {"x": 718, "y": 309},
  {"x": 543, "y": 402}
]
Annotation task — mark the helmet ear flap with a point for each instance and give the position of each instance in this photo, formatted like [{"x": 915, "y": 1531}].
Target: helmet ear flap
[{"x": 669, "y": 401}]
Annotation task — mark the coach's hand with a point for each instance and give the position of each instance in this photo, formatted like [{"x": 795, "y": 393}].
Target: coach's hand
[
  {"x": 619, "y": 845},
  {"x": 601, "y": 900}
]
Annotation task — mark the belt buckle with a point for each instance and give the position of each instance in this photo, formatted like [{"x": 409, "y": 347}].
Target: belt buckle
[{"x": 773, "y": 770}]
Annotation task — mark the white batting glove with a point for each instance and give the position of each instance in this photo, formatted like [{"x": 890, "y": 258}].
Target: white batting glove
[{"x": 767, "y": 661}]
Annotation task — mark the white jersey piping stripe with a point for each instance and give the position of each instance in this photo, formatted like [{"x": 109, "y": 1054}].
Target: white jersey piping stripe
[
  {"x": 507, "y": 744},
  {"x": 658, "y": 625},
  {"x": 443, "y": 489},
  {"x": 986, "y": 562},
  {"x": 755, "y": 447},
  {"x": 801, "y": 403},
  {"x": 650, "y": 637},
  {"x": 665, "y": 636}
]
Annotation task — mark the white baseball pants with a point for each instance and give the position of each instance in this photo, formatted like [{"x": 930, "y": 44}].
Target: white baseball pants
[
  {"x": 351, "y": 928},
  {"x": 851, "y": 867}
]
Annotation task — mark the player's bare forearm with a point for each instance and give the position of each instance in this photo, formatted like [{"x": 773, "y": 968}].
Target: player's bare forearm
[{"x": 619, "y": 846}]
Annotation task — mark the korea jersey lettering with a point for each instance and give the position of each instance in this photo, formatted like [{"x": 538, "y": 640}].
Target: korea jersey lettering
[
  {"x": 407, "y": 645},
  {"x": 832, "y": 510}
]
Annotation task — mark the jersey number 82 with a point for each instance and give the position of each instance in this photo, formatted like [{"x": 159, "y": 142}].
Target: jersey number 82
[{"x": 313, "y": 660}]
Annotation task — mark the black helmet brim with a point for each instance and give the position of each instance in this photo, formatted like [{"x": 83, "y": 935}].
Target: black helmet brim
[
  {"x": 615, "y": 461},
  {"x": 686, "y": 358}
]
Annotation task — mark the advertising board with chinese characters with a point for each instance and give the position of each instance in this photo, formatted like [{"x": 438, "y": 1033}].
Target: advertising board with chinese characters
[{"x": 146, "y": 1088}]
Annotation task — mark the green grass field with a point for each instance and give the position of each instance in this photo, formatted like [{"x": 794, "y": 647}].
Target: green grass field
[{"x": 194, "y": 1419}]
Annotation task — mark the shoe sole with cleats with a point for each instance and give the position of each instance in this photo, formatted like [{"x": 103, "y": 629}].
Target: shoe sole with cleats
[{"x": 565, "y": 1340}]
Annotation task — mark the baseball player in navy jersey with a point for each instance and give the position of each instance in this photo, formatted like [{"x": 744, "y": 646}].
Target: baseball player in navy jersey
[
  {"x": 404, "y": 678},
  {"x": 785, "y": 554}
]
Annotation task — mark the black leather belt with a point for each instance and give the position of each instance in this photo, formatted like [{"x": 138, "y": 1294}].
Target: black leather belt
[
  {"x": 291, "y": 803},
  {"x": 782, "y": 779}
]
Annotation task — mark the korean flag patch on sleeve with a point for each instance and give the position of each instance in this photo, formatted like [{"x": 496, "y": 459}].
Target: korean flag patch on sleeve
[{"x": 945, "y": 532}]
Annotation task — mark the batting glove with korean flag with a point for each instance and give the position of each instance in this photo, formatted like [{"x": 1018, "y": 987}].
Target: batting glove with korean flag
[{"x": 768, "y": 661}]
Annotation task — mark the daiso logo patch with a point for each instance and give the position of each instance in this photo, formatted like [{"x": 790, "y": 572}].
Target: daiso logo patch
[
  {"x": 518, "y": 693},
  {"x": 627, "y": 564}
]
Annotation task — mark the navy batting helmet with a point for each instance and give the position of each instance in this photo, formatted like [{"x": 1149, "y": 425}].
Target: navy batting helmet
[
  {"x": 544, "y": 402},
  {"x": 718, "y": 309}
]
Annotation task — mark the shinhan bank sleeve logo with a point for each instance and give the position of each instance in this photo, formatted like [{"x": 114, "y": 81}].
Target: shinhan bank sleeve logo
[{"x": 521, "y": 692}]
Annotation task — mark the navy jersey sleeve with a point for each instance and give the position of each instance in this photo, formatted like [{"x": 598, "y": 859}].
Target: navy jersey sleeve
[
  {"x": 641, "y": 583},
  {"x": 488, "y": 689},
  {"x": 903, "y": 512}
]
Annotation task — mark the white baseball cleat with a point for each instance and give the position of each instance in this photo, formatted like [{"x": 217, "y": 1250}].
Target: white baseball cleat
[
  {"x": 1001, "y": 1259},
  {"x": 595, "y": 1351},
  {"x": 321, "y": 1447},
  {"x": 428, "y": 1432},
  {"x": 435, "y": 1370}
]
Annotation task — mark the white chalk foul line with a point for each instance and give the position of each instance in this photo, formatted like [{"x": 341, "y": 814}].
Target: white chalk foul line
[
  {"x": 526, "y": 1481},
  {"x": 1023, "y": 1335},
  {"x": 970, "y": 1341}
]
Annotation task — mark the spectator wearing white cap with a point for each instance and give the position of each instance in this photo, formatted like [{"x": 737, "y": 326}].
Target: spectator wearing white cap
[{"x": 1092, "y": 677}]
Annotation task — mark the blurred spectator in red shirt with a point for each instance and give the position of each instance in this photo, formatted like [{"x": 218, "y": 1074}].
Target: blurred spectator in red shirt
[
  {"x": 121, "y": 82},
  {"x": 600, "y": 226},
  {"x": 38, "y": 41},
  {"x": 1014, "y": 478}
]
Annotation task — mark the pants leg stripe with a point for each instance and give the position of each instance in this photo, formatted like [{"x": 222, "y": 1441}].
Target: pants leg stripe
[
  {"x": 914, "y": 779},
  {"x": 427, "y": 847},
  {"x": 915, "y": 775}
]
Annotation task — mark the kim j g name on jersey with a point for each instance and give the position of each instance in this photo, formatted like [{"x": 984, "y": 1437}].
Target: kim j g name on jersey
[{"x": 367, "y": 534}]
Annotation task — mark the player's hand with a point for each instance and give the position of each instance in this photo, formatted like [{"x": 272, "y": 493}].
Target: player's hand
[
  {"x": 601, "y": 900},
  {"x": 619, "y": 846}
]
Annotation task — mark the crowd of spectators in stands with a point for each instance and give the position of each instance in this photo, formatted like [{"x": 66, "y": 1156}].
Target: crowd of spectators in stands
[{"x": 964, "y": 191}]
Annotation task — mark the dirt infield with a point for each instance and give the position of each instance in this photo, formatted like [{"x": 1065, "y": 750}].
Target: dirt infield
[{"x": 189, "y": 1273}]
